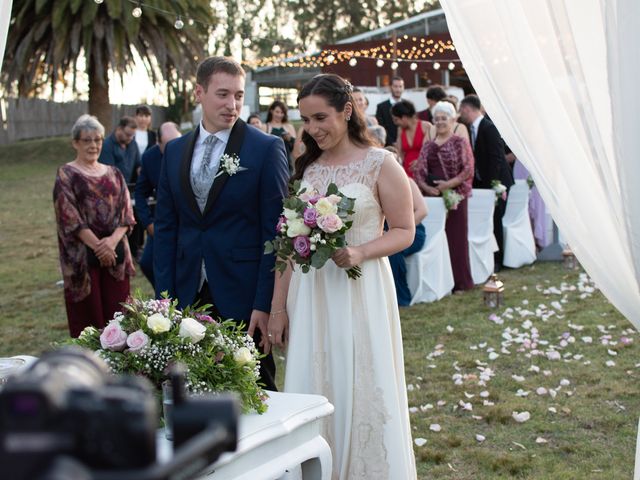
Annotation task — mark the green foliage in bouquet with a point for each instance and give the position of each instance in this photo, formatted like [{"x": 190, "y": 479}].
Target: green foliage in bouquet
[{"x": 147, "y": 336}]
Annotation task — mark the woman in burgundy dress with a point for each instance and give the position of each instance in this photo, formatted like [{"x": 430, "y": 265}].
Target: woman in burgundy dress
[
  {"x": 446, "y": 162},
  {"x": 93, "y": 213},
  {"x": 411, "y": 133}
]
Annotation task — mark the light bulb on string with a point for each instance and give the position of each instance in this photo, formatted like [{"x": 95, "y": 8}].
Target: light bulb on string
[
  {"x": 451, "y": 65},
  {"x": 330, "y": 59},
  {"x": 380, "y": 63},
  {"x": 436, "y": 66},
  {"x": 98, "y": 1},
  {"x": 353, "y": 62},
  {"x": 394, "y": 66},
  {"x": 413, "y": 66},
  {"x": 137, "y": 12},
  {"x": 179, "y": 23},
  {"x": 276, "y": 48},
  {"x": 246, "y": 42}
]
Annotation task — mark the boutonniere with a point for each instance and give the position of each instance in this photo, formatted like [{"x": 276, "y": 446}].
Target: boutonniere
[{"x": 230, "y": 164}]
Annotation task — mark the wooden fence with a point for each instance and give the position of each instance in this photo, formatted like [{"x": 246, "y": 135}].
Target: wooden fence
[{"x": 25, "y": 118}]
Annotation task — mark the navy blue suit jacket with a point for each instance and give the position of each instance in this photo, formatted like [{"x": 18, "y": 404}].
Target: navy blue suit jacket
[
  {"x": 147, "y": 183},
  {"x": 241, "y": 214}
]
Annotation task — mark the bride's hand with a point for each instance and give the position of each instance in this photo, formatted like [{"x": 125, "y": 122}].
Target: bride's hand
[
  {"x": 348, "y": 257},
  {"x": 278, "y": 328}
]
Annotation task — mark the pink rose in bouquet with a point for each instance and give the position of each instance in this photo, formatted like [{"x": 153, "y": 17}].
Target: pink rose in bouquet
[
  {"x": 330, "y": 223},
  {"x": 113, "y": 337},
  {"x": 302, "y": 245},
  {"x": 310, "y": 216}
]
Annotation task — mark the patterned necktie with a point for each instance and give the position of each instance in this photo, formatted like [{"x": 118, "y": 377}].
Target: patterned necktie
[
  {"x": 473, "y": 136},
  {"x": 203, "y": 178}
]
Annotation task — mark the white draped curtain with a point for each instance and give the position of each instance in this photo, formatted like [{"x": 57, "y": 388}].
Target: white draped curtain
[
  {"x": 5, "y": 16},
  {"x": 559, "y": 78}
]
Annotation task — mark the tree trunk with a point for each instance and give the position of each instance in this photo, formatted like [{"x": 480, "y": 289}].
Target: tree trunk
[{"x": 99, "y": 104}]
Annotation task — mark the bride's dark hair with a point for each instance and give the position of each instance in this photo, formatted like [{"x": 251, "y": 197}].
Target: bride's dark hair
[{"x": 337, "y": 92}]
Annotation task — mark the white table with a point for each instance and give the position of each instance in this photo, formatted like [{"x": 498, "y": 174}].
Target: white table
[{"x": 285, "y": 437}]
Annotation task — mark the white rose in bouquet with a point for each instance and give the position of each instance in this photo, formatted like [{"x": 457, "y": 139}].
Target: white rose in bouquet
[
  {"x": 192, "y": 329},
  {"x": 296, "y": 227}
]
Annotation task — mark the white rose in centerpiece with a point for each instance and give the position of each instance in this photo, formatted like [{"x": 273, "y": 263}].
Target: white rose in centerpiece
[
  {"x": 158, "y": 323},
  {"x": 88, "y": 332},
  {"x": 296, "y": 227},
  {"x": 192, "y": 330},
  {"x": 243, "y": 356},
  {"x": 290, "y": 214}
]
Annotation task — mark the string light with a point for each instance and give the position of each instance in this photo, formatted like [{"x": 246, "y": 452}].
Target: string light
[
  {"x": 353, "y": 62},
  {"x": 436, "y": 66},
  {"x": 380, "y": 63},
  {"x": 394, "y": 66},
  {"x": 98, "y": 1},
  {"x": 276, "y": 48},
  {"x": 137, "y": 12},
  {"x": 451, "y": 65},
  {"x": 413, "y": 66},
  {"x": 179, "y": 23},
  {"x": 246, "y": 43}
]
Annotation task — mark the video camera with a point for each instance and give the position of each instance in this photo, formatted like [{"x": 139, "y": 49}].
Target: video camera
[{"x": 68, "y": 417}]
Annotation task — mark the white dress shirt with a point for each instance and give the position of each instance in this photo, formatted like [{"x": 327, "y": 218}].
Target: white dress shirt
[{"x": 218, "y": 148}]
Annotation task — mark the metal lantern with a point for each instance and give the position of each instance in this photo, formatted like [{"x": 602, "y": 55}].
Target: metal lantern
[
  {"x": 569, "y": 260},
  {"x": 493, "y": 292}
]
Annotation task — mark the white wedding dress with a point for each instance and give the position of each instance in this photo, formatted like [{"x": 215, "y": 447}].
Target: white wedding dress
[{"x": 345, "y": 341}]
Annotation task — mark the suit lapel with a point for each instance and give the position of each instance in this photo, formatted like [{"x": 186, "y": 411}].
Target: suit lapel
[
  {"x": 185, "y": 171},
  {"x": 233, "y": 148}
]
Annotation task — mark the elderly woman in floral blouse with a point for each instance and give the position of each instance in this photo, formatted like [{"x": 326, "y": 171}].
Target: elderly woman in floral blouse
[
  {"x": 446, "y": 162},
  {"x": 93, "y": 213}
]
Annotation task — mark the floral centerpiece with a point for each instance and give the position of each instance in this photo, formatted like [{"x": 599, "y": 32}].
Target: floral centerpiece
[
  {"x": 451, "y": 199},
  {"x": 147, "y": 336},
  {"x": 311, "y": 228}
]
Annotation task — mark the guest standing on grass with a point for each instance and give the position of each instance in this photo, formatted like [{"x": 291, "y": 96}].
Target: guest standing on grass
[
  {"x": 446, "y": 162},
  {"x": 93, "y": 214}
]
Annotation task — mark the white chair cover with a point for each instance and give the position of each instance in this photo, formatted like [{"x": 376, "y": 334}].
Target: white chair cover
[
  {"x": 519, "y": 244},
  {"x": 482, "y": 242},
  {"x": 429, "y": 273}
]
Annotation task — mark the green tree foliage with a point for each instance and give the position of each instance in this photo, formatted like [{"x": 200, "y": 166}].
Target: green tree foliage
[{"x": 47, "y": 38}]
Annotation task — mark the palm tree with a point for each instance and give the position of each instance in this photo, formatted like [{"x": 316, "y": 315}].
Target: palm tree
[{"x": 46, "y": 39}]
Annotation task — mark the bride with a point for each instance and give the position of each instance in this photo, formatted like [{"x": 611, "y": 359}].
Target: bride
[{"x": 343, "y": 335}]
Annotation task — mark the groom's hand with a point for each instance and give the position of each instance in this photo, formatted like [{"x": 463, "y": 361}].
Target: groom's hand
[{"x": 260, "y": 320}]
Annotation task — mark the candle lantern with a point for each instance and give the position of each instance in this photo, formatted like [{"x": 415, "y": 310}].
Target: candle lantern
[
  {"x": 493, "y": 292},
  {"x": 569, "y": 260}
]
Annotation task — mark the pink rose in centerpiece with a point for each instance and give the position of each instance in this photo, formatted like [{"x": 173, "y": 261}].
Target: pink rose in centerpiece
[
  {"x": 137, "y": 341},
  {"x": 310, "y": 217},
  {"x": 113, "y": 337},
  {"x": 335, "y": 199},
  {"x": 330, "y": 223},
  {"x": 302, "y": 245},
  {"x": 201, "y": 317}
]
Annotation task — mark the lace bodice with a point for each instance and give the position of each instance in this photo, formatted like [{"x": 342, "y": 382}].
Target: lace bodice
[{"x": 356, "y": 180}]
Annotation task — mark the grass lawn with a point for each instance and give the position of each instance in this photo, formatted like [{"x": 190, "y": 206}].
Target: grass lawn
[{"x": 557, "y": 350}]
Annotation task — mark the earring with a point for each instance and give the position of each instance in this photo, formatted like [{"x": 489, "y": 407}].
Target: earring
[{"x": 348, "y": 117}]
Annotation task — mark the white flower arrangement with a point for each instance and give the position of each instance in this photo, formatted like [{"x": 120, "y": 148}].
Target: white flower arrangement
[{"x": 230, "y": 164}]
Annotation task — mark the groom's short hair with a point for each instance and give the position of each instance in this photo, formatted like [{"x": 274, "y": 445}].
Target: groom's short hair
[{"x": 212, "y": 65}]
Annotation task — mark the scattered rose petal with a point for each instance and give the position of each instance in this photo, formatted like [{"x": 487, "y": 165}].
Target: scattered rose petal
[
  {"x": 518, "y": 378},
  {"x": 426, "y": 407},
  {"x": 552, "y": 409},
  {"x": 547, "y": 373},
  {"x": 410, "y": 387},
  {"x": 441, "y": 403},
  {"x": 553, "y": 355},
  {"x": 564, "y": 382},
  {"x": 541, "y": 440},
  {"x": 449, "y": 329},
  {"x": 420, "y": 441},
  {"x": 613, "y": 353},
  {"x": 484, "y": 394},
  {"x": 541, "y": 391},
  {"x": 413, "y": 410},
  {"x": 610, "y": 363},
  {"x": 480, "y": 438},
  {"x": 534, "y": 368},
  {"x": 522, "y": 393},
  {"x": 587, "y": 339},
  {"x": 493, "y": 355},
  {"x": 434, "y": 427},
  {"x": 521, "y": 417}
]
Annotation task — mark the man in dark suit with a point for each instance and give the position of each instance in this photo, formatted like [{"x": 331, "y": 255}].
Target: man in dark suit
[
  {"x": 435, "y": 94},
  {"x": 383, "y": 110},
  {"x": 490, "y": 161},
  {"x": 212, "y": 221},
  {"x": 146, "y": 188}
]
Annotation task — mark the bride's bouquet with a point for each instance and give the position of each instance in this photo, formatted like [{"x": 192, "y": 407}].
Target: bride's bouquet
[
  {"x": 147, "y": 336},
  {"x": 311, "y": 228}
]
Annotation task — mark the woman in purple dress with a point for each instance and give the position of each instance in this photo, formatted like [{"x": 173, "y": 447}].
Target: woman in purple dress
[
  {"x": 93, "y": 213},
  {"x": 446, "y": 162}
]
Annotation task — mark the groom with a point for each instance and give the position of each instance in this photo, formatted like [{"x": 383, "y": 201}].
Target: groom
[{"x": 211, "y": 220}]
